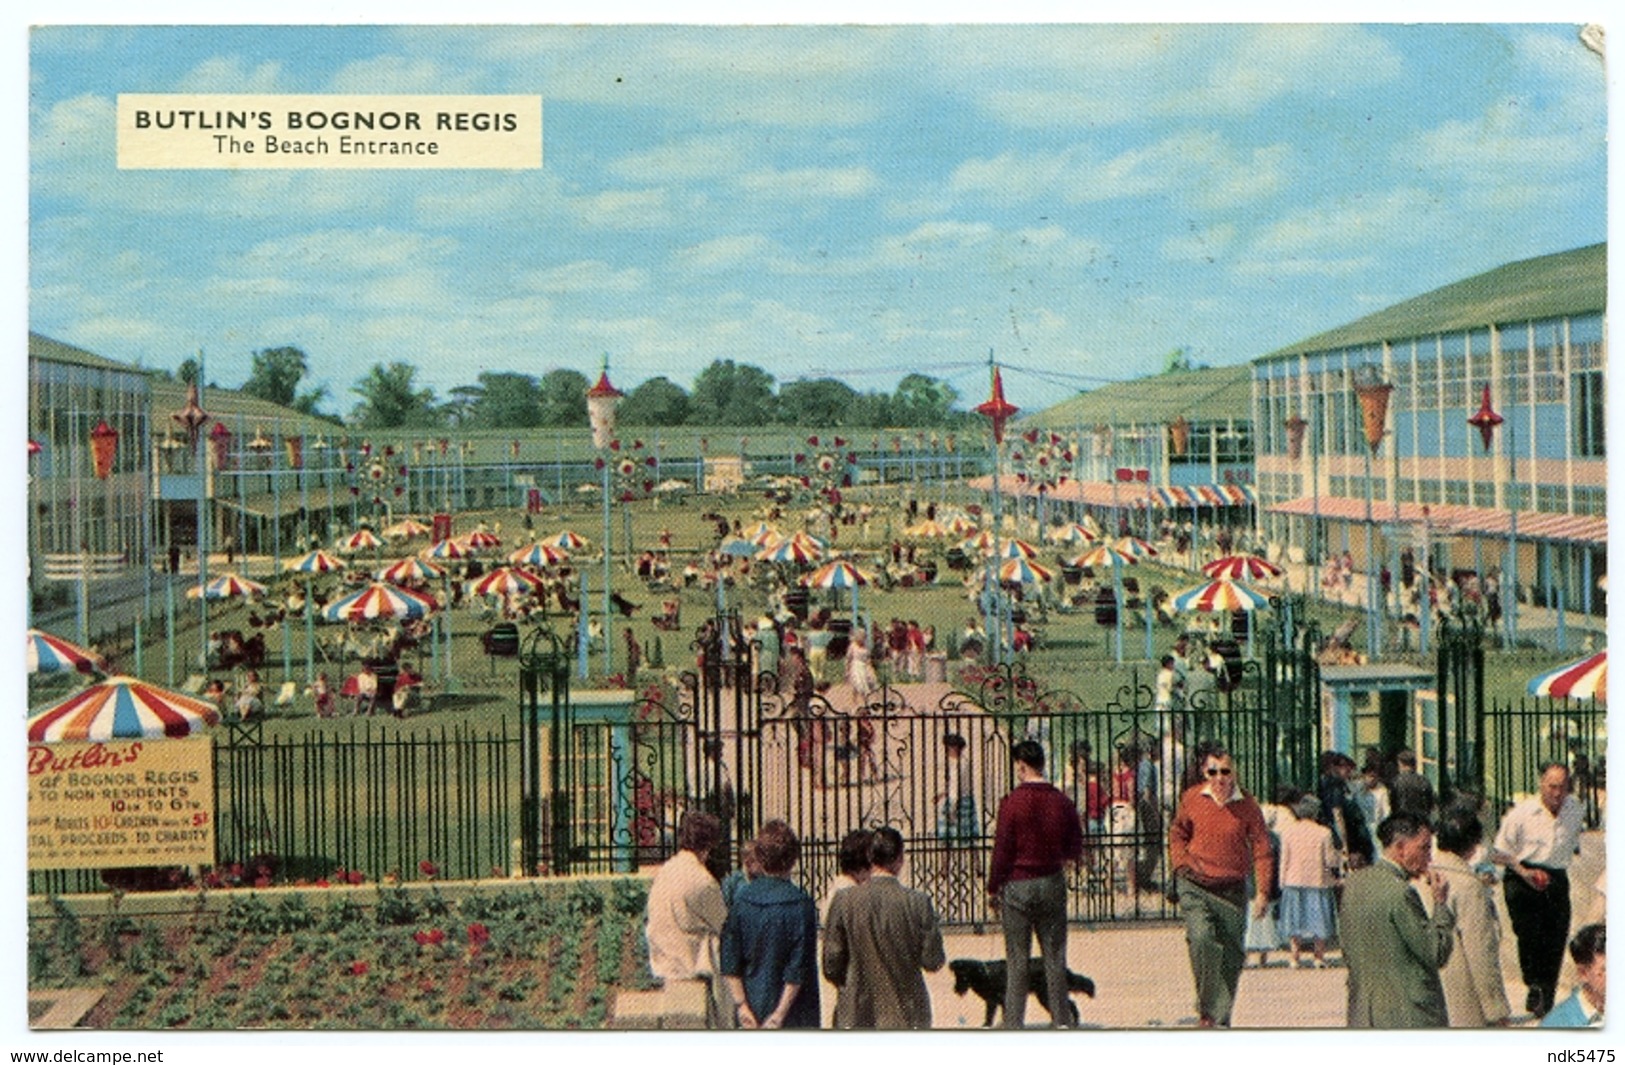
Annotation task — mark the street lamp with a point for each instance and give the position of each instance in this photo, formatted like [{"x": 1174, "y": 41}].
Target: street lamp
[
  {"x": 997, "y": 411},
  {"x": 601, "y": 401},
  {"x": 1373, "y": 395},
  {"x": 1486, "y": 421}
]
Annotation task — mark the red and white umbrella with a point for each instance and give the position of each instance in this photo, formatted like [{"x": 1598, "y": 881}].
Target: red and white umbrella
[
  {"x": 568, "y": 539},
  {"x": 360, "y": 540},
  {"x": 227, "y": 586},
  {"x": 380, "y": 601},
  {"x": 483, "y": 540},
  {"x": 121, "y": 708},
  {"x": 52, "y": 654},
  {"x": 1072, "y": 533},
  {"x": 506, "y": 580},
  {"x": 1585, "y": 679},
  {"x": 407, "y": 529},
  {"x": 316, "y": 562},
  {"x": 837, "y": 574},
  {"x": 960, "y": 525},
  {"x": 800, "y": 550},
  {"x": 1024, "y": 571},
  {"x": 763, "y": 533},
  {"x": 540, "y": 555},
  {"x": 410, "y": 569},
  {"x": 1133, "y": 545},
  {"x": 1017, "y": 549},
  {"x": 928, "y": 530},
  {"x": 1221, "y": 596},
  {"x": 1103, "y": 555},
  {"x": 446, "y": 551},
  {"x": 1242, "y": 567}
]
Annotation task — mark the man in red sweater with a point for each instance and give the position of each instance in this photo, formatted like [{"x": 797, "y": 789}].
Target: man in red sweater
[
  {"x": 1038, "y": 834},
  {"x": 1217, "y": 838}
]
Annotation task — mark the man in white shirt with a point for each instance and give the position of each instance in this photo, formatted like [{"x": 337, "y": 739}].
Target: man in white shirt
[
  {"x": 1538, "y": 840},
  {"x": 685, "y": 908}
]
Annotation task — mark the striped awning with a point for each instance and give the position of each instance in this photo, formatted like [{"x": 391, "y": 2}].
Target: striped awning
[
  {"x": 1132, "y": 494},
  {"x": 1176, "y": 496},
  {"x": 1452, "y": 518}
]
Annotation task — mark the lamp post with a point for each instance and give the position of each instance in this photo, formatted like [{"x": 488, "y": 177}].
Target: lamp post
[
  {"x": 997, "y": 411},
  {"x": 601, "y": 401},
  {"x": 1373, "y": 395},
  {"x": 1486, "y": 420}
]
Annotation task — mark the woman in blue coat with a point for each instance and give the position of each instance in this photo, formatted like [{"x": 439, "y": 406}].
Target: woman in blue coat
[{"x": 769, "y": 941}]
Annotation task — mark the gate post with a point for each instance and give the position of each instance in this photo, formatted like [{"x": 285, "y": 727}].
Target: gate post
[
  {"x": 1460, "y": 670},
  {"x": 544, "y": 666}
]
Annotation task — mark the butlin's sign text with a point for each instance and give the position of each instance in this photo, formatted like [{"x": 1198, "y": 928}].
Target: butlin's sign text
[
  {"x": 265, "y": 132},
  {"x": 123, "y": 804}
]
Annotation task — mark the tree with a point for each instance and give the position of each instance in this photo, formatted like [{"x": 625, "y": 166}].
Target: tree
[
  {"x": 508, "y": 401},
  {"x": 729, "y": 394},
  {"x": 823, "y": 401},
  {"x": 564, "y": 398},
  {"x": 276, "y": 374},
  {"x": 923, "y": 401},
  {"x": 186, "y": 372},
  {"x": 308, "y": 402},
  {"x": 461, "y": 402},
  {"x": 656, "y": 402},
  {"x": 391, "y": 400}
]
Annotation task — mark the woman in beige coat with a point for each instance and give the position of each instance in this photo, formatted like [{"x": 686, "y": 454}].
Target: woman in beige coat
[{"x": 1474, "y": 993}]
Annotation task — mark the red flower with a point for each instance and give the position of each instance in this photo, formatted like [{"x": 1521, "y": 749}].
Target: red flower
[
  {"x": 478, "y": 934},
  {"x": 355, "y": 876},
  {"x": 428, "y": 868},
  {"x": 433, "y": 937},
  {"x": 359, "y": 968},
  {"x": 323, "y": 882}
]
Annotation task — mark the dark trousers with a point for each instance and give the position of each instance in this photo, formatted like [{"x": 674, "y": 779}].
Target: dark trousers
[
  {"x": 1540, "y": 920},
  {"x": 1026, "y": 908},
  {"x": 1215, "y": 931}
]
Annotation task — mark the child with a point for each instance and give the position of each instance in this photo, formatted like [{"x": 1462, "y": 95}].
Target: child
[
  {"x": 322, "y": 692},
  {"x": 1309, "y": 872}
]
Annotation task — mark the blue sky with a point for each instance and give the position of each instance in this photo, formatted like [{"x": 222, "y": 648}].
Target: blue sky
[{"x": 853, "y": 202}]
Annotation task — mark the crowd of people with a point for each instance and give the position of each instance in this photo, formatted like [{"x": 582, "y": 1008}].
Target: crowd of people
[{"x": 1374, "y": 862}]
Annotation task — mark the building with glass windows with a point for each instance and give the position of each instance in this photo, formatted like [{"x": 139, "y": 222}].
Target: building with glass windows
[{"x": 1529, "y": 509}]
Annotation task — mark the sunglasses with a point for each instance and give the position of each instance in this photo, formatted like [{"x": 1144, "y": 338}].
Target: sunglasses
[{"x": 1217, "y": 771}]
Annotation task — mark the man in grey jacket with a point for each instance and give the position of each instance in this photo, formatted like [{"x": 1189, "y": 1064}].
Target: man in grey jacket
[
  {"x": 1394, "y": 947},
  {"x": 879, "y": 937}
]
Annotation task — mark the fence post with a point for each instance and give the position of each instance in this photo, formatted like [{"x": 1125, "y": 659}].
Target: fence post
[{"x": 544, "y": 666}]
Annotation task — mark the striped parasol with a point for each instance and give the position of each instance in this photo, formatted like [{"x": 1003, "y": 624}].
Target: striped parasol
[
  {"x": 1103, "y": 555},
  {"x": 739, "y": 547},
  {"x": 1585, "y": 679},
  {"x": 763, "y": 533},
  {"x": 52, "y": 654},
  {"x": 1071, "y": 533},
  {"x": 800, "y": 549},
  {"x": 928, "y": 530},
  {"x": 316, "y": 562},
  {"x": 446, "y": 551},
  {"x": 960, "y": 525},
  {"x": 980, "y": 543},
  {"x": 1017, "y": 549},
  {"x": 379, "y": 600},
  {"x": 505, "y": 580},
  {"x": 1239, "y": 567},
  {"x": 408, "y": 569},
  {"x": 361, "y": 540},
  {"x": 227, "y": 586},
  {"x": 568, "y": 539},
  {"x": 837, "y": 574},
  {"x": 121, "y": 708},
  {"x": 1133, "y": 545},
  {"x": 482, "y": 540},
  {"x": 1024, "y": 571},
  {"x": 540, "y": 555},
  {"x": 407, "y": 529},
  {"x": 1221, "y": 596}
]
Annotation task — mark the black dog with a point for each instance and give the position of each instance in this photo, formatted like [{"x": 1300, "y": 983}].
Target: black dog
[{"x": 987, "y": 979}]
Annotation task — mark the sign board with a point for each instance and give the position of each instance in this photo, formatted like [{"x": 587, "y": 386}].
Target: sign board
[{"x": 126, "y": 803}]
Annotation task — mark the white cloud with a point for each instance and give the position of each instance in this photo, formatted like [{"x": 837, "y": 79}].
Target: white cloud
[
  {"x": 1199, "y": 243},
  {"x": 1398, "y": 217},
  {"x": 811, "y": 182},
  {"x": 690, "y": 159},
  {"x": 586, "y": 275},
  {"x": 724, "y": 253},
  {"x": 231, "y": 74},
  {"x": 347, "y": 251},
  {"x": 402, "y": 74},
  {"x": 621, "y": 209}
]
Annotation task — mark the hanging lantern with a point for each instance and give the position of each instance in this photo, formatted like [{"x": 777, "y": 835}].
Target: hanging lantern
[
  {"x": 1486, "y": 420},
  {"x": 220, "y": 440},
  {"x": 103, "y": 446},
  {"x": 191, "y": 417},
  {"x": 1295, "y": 427},
  {"x": 1180, "y": 435},
  {"x": 295, "y": 446},
  {"x": 601, "y": 400},
  {"x": 1373, "y": 411},
  {"x": 260, "y": 441},
  {"x": 997, "y": 410}
]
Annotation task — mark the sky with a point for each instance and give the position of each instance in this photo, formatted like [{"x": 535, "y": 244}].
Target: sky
[{"x": 856, "y": 202}]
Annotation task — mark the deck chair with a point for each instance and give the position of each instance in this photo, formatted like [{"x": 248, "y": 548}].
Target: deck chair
[
  {"x": 285, "y": 694},
  {"x": 194, "y": 684}
]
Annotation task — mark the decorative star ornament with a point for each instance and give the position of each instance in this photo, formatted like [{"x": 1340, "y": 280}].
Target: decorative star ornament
[{"x": 997, "y": 409}]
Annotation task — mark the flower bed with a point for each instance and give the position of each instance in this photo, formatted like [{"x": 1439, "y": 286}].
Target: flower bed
[{"x": 541, "y": 956}]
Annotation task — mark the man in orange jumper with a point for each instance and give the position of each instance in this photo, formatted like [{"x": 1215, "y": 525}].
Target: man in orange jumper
[{"x": 1217, "y": 837}]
